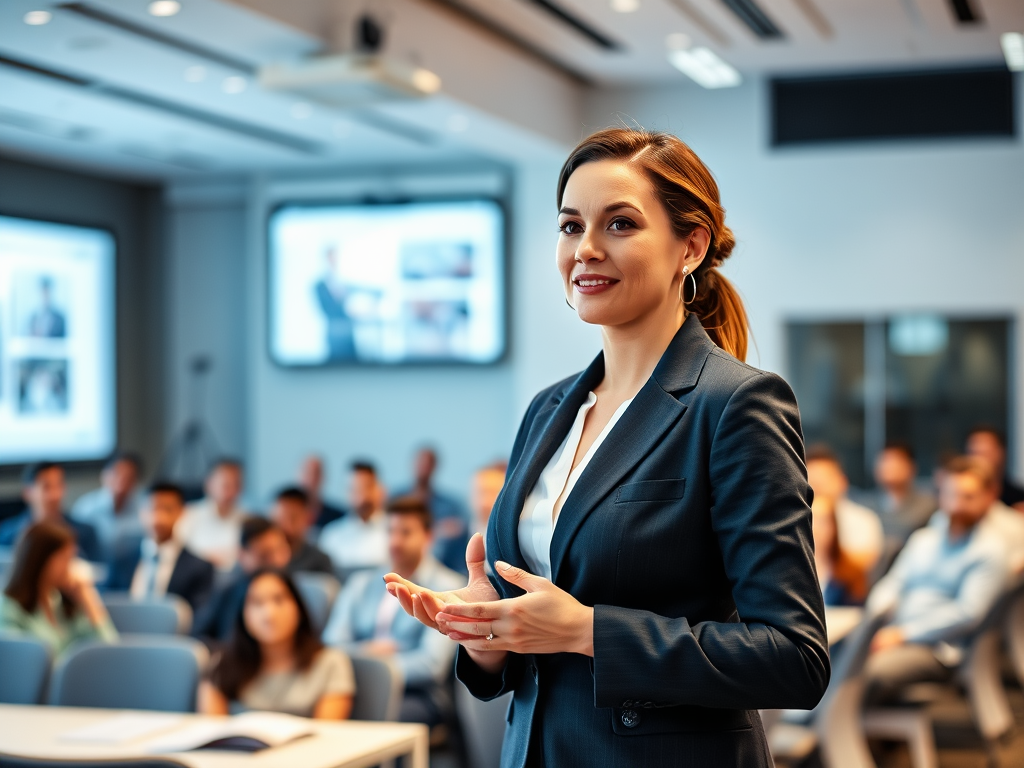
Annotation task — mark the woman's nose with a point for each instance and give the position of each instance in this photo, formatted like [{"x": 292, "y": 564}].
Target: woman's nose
[{"x": 589, "y": 250}]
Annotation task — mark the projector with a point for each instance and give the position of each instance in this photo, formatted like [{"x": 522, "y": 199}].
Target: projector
[{"x": 351, "y": 79}]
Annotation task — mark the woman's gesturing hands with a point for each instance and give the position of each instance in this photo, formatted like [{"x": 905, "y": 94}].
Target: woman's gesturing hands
[{"x": 544, "y": 620}]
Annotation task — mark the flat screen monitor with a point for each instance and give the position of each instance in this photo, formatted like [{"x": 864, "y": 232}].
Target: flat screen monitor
[
  {"x": 416, "y": 282},
  {"x": 57, "y": 391}
]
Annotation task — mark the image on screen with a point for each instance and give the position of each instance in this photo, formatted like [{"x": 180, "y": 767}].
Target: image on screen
[
  {"x": 395, "y": 283},
  {"x": 56, "y": 342}
]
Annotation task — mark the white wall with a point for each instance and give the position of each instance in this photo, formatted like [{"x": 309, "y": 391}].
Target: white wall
[{"x": 855, "y": 229}]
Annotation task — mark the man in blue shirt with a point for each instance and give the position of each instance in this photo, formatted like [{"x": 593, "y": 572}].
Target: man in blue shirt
[
  {"x": 43, "y": 492},
  {"x": 945, "y": 581},
  {"x": 113, "y": 508}
]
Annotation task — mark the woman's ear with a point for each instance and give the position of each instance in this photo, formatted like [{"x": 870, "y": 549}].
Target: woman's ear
[{"x": 697, "y": 244}]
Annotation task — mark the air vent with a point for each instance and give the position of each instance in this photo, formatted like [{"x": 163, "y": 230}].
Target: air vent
[
  {"x": 915, "y": 105},
  {"x": 751, "y": 14},
  {"x": 964, "y": 11},
  {"x": 575, "y": 22}
]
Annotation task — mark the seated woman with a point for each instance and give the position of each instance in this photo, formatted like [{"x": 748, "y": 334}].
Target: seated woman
[
  {"x": 843, "y": 579},
  {"x": 50, "y": 596},
  {"x": 275, "y": 662}
]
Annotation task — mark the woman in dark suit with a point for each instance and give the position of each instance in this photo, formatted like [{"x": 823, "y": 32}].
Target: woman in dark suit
[{"x": 652, "y": 545}]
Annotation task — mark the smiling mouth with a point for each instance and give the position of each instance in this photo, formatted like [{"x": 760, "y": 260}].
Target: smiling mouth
[{"x": 593, "y": 282}]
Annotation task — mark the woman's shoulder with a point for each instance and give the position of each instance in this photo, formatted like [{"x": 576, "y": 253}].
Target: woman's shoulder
[
  {"x": 11, "y": 612},
  {"x": 723, "y": 376}
]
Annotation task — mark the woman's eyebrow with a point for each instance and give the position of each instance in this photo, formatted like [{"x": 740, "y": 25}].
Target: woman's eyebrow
[{"x": 608, "y": 209}]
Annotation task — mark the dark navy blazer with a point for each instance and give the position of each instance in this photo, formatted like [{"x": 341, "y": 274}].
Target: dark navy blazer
[
  {"x": 690, "y": 534},
  {"x": 191, "y": 579}
]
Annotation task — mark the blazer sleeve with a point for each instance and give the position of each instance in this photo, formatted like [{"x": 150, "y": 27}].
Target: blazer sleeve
[{"x": 776, "y": 655}]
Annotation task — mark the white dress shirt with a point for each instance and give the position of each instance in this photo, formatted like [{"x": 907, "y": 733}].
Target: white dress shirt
[
  {"x": 353, "y": 543},
  {"x": 209, "y": 535},
  {"x": 538, "y": 519},
  {"x": 156, "y": 565}
]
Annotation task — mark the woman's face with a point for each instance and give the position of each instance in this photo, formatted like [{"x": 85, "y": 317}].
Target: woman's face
[
  {"x": 619, "y": 257},
  {"x": 56, "y": 572},
  {"x": 270, "y": 612}
]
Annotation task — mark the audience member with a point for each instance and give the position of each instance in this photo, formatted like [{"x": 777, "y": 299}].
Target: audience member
[
  {"x": 263, "y": 545},
  {"x": 43, "y": 492},
  {"x": 990, "y": 445},
  {"x": 274, "y": 661},
  {"x": 292, "y": 514},
  {"x": 487, "y": 484},
  {"x": 113, "y": 508},
  {"x": 360, "y": 538},
  {"x": 211, "y": 526},
  {"x": 451, "y": 521},
  {"x": 943, "y": 584},
  {"x": 844, "y": 581},
  {"x": 50, "y": 595},
  {"x": 160, "y": 564},
  {"x": 902, "y": 507},
  {"x": 367, "y": 620},
  {"x": 859, "y": 528},
  {"x": 311, "y": 480}
]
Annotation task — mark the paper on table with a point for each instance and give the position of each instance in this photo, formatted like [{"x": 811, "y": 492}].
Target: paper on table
[
  {"x": 270, "y": 728},
  {"x": 121, "y": 729}
]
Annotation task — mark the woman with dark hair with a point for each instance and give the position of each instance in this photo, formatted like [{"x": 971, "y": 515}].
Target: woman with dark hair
[
  {"x": 50, "y": 596},
  {"x": 843, "y": 579},
  {"x": 274, "y": 661},
  {"x": 655, "y": 580}
]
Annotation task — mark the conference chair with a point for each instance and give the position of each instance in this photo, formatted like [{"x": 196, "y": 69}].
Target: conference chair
[
  {"x": 6, "y": 563},
  {"x": 483, "y": 726},
  {"x": 379, "y": 689},
  {"x": 13, "y": 761},
  {"x": 319, "y": 591},
  {"x": 1015, "y": 636},
  {"x": 140, "y": 672},
  {"x": 168, "y": 615},
  {"x": 24, "y": 670}
]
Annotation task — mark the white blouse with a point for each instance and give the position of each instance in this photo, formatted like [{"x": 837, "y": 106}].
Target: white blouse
[{"x": 538, "y": 519}]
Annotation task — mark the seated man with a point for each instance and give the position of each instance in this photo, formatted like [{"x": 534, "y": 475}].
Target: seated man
[
  {"x": 292, "y": 514},
  {"x": 359, "y": 539},
  {"x": 263, "y": 545},
  {"x": 160, "y": 565},
  {"x": 211, "y": 526},
  {"x": 42, "y": 488},
  {"x": 366, "y": 619},
  {"x": 311, "y": 480},
  {"x": 113, "y": 508},
  {"x": 943, "y": 584},
  {"x": 902, "y": 507}
]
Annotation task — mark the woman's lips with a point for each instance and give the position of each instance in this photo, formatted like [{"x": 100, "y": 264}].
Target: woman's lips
[{"x": 591, "y": 284}]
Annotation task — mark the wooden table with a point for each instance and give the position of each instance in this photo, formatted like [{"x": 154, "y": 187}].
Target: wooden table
[{"x": 35, "y": 731}]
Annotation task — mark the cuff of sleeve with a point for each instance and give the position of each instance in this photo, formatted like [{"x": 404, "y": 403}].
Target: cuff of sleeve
[{"x": 483, "y": 685}]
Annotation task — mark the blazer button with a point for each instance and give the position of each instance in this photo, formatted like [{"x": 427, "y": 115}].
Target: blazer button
[{"x": 630, "y": 718}]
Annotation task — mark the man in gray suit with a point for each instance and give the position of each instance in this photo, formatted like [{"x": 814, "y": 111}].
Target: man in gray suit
[{"x": 367, "y": 620}]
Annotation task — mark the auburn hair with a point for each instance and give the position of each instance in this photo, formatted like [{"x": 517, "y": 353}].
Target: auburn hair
[{"x": 689, "y": 194}]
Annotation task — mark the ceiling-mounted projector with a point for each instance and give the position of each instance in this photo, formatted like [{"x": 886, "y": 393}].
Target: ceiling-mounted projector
[{"x": 350, "y": 79}]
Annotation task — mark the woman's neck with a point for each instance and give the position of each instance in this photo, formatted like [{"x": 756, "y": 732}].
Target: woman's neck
[
  {"x": 277, "y": 657},
  {"x": 632, "y": 352}
]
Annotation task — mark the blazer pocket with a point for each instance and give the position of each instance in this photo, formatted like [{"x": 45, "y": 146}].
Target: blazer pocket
[{"x": 651, "y": 490}]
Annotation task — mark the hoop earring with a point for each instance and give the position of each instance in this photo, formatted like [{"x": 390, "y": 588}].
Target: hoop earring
[
  {"x": 570, "y": 306},
  {"x": 682, "y": 286}
]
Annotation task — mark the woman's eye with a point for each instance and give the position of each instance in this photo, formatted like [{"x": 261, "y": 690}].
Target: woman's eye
[
  {"x": 570, "y": 228},
  {"x": 620, "y": 225}
]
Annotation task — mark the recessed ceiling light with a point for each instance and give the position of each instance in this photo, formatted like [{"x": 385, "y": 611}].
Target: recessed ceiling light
[
  {"x": 234, "y": 84},
  {"x": 705, "y": 68},
  {"x": 195, "y": 74},
  {"x": 625, "y": 6},
  {"x": 458, "y": 122},
  {"x": 37, "y": 18},
  {"x": 301, "y": 110},
  {"x": 1013, "y": 50},
  {"x": 164, "y": 7},
  {"x": 426, "y": 81}
]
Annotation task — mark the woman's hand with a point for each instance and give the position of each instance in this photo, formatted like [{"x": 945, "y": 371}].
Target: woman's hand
[
  {"x": 544, "y": 620},
  {"x": 79, "y": 587},
  {"x": 424, "y": 604}
]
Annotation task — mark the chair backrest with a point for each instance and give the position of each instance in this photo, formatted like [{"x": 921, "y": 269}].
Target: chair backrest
[
  {"x": 379, "y": 689},
  {"x": 319, "y": 591},
  {"x": 24, "y": 670},
  {"x": 140, "y": 672},
  {"x": 169, "y": 615},
  {"x": 483, "y": 726}
]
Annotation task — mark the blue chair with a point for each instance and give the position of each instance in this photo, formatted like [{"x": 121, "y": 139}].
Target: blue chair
[
  {"x": 24, "y": 669},
  {"x": 379, "y": 689},
  {"x": 319, "y": 591},
  {"x": 169, "y": 615},
  {"x": 142, "y": 672},
  {"x": 483, "y": 726}
]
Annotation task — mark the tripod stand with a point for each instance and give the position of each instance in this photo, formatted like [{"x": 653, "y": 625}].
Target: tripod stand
[{"x": 193, "y": 449}]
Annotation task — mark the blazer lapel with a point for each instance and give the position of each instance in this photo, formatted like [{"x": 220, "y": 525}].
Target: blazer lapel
[
  {"x": 550, "y": 426},
  {"x": 653, "y": 412}
]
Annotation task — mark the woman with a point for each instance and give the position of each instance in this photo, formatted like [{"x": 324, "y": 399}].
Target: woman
[
  {"x": 50, "y": 596},
  {"x": 652, "y": 545},
  {"x": 275, "y": 662},
  {"x": 843, "y": 579}
]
